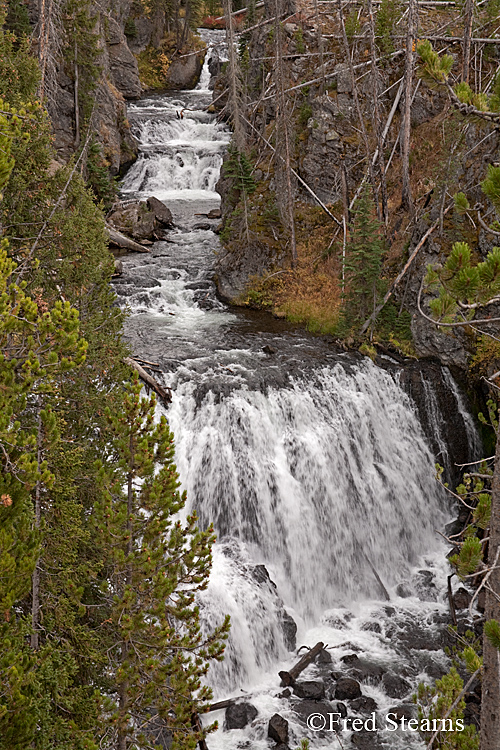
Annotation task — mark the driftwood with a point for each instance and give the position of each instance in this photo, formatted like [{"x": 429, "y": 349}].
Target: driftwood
[
  {"x": 120, "y": 240},
  {"x": 163, "y": 392},
  {"x": 222, "y": 704},
  {"x": 288, "y": 678}
]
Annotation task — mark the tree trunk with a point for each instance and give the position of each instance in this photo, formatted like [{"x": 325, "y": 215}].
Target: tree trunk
[
  {"x": 283, "y": 147},
  {"x": 35, "y": 583},
  {"x": 376, "y": 115},
  {"x": 468, "y": 20},
  {"x": 77, "y": 106},
  {"x": 490, "y": 700},
  {"x": 406, "y": 196}
]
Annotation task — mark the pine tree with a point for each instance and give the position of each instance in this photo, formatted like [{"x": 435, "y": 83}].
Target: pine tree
[
  {"x": 363, "y": 262},
  {"x": 154, "y": 566}
]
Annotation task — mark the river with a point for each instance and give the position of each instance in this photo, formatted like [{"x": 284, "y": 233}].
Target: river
[{"x": 312, "y": 463}]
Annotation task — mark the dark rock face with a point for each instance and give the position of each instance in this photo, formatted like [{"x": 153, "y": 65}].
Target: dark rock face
[
  {"x": 239, "y": 715},
  {"x": 347, "y": 689},
  {"x": 184, "y": 72},
  {"x": 141, "y": 219},
  {"x": 289, "y": 627},
  {"x": 278, "y": 729},
  {"x": 161, "y": 212},
  {"x": 313, "y": 690},
  {"x": 124, "y": 72},
  {"x": 323, "y": 658},
  {"x": 366, "y": 740},
  {"x": 461, "y": 598},
  {"x": 395, "y": 686},
  {"x": 305, "y": 708},
  {"x": 364, "y": 705},
  {"x": 363, "y": 670}
]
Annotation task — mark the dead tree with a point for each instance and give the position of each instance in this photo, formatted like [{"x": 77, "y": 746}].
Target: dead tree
[
  {"x": 376, "y": 114},
  {"x": 285, "y": 192},
  {"x": 411, "y": 33},
  {"x": 357, "y": 103},
  {"x": 468, "y": 21}
]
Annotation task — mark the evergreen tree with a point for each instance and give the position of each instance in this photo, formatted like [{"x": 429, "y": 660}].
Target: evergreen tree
[
  {"x": 154, "y": 566},
  {"x": 363, "y": 262}
]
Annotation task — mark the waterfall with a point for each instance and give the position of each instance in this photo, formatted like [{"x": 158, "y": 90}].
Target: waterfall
[{"x": 315, "y": 466}]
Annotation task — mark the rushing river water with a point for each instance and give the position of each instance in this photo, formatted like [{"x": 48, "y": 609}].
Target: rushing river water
[{"x": 310, "y": 462}]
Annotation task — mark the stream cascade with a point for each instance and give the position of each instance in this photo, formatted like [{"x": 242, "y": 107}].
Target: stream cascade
[{"x": 314, "y": 465}]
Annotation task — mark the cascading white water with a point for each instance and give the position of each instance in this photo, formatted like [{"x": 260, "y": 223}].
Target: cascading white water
[
  {"x": 320, "y": 480},
  {"x": 312, "y": 464}
]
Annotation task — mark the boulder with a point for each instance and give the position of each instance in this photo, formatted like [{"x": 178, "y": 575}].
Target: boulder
[
  {"x": 161, "y": 212},
  {"x": 395, "y": 686},
  {"x": 323, "y": 658},
  {"x": 347, "y": 689},
  {"x": 305, "y": 708},
  {"x": 363, "y": 670},
  {"x": 184, "y": 72},
  {"x": 238, "y": 715},
  {"x": 289, "y": 628},
  {"x": 140, "y": 219},
  {"x": 364, "y": 705},
  {"x": 461, "y": 598},
  {"x": 313, "y": 690},
  {"x": 278, "y": 729}
]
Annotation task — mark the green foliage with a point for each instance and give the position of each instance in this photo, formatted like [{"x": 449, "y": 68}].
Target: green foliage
[
  {"x": 389, "y": 12},
  {"x": 17, "y": 19},
  {"x": 363, "y": 262},
  {"x": 299, "y": 41},
  {"x": 470, "y": 556},
  {"x": 238, "y": 168},
  {"x": 305, "y": 112},
  {"x": 82, "y": 51},
  {"x": 492, "y": 632},
  {"x": 352, "y": 25},
  {"x": 435, "y": 703},
  {"x": 155, "y": 565},
  {"x": 491, "y": 186},
  {"x": 461, "y": 203},
  {"x": 464, "y": 92},
  {"x": 460, "y": 284},
  {"x": 99, "y": 180},
  {"x": 436, "y": 67}
]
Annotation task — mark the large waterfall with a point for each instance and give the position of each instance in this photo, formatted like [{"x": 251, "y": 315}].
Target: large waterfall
[{"x": 312, "y": 464}]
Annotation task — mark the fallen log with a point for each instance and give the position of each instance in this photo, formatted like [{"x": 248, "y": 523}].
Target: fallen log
[
  {"x": 222, "y": 704},
  {"x": 163, "y": 392},
  {"x": 120, "y": 240},
  {"x": 288, "y": 678}
]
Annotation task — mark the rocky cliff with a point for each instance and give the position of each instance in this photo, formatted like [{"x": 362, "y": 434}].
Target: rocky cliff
[{"x": 448, "y": 154}]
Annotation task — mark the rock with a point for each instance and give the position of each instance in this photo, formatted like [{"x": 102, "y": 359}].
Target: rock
[
  {"x": 347, "y": 689},
  {"x": 134, "y": 219},
  {"x": 362, "y": 670},
  {"x": 286, "y": 693},
  {"x": 122, "y": 63},
  {"x": 118, "y": 267},
  {"x": 364, "y": 705},
  {"x": 395, "y": 686},
  {"x": 289, "y": 628},
  {"x": 202, "y": 225},
  {"x": 313, "y": 690},
  {"x": 238, "y": 715},
  {"x": 324, "y": 657},
  {"x": 305, "y": 708},
  {"x": 184, "y": 72},
  {"x": 344, "y": 80},
  {"x": 215, "y": 213},
  {"x": 366, "y": 740},
  {"x": 161, "y": 212},
  {"x": 278, "y": 729},
  {"x": 268, "y": 349},
  {"x": 332, "y": 135},
  {"x": 461, "y": 598},
  {"x": 406, "y": 710}
]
